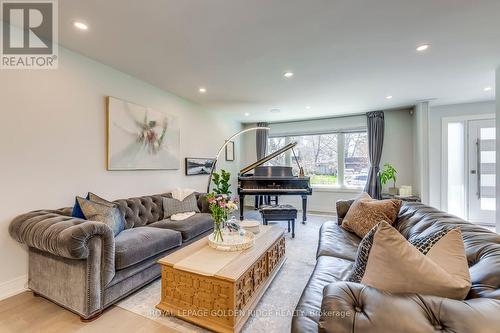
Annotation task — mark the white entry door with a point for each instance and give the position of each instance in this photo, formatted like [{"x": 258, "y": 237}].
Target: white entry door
[{"x": 481, "y": 165}]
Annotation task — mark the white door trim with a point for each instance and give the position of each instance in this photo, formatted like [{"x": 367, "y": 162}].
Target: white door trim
[{"x": 444, "y": 154}]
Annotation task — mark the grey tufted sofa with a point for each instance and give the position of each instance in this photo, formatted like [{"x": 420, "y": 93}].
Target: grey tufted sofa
[
  {"x": 331, "y": 305},
  {"x": 79, "y": 265}
]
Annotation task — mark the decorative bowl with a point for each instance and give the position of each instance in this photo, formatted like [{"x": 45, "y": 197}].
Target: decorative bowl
[
  {"x": 233, "y": 242},
  {"x": 251, "y": 225}
]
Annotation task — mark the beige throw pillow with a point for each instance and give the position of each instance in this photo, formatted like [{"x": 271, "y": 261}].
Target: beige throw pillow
[
  {"x": 365, "y": 213},
  {"x": 387, "y": 261}
]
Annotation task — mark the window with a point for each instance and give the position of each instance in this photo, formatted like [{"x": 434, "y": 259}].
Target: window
[
  {"x": 356, "y": 159},
  {"x": 320, "y": 154}
]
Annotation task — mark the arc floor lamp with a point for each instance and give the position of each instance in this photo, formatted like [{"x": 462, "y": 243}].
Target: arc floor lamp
[{"x": 224, "y": 146}]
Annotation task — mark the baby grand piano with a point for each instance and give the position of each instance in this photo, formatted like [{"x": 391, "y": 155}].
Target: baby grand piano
[{"x": 273, "y": 180}]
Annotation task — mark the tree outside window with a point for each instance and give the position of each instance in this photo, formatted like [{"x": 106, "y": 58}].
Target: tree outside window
[
  {"x": 356, "y": 163},
  {"x": 319, "y": 154}
]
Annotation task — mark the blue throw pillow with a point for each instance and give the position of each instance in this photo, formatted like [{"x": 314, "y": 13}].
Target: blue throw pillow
[{"x": 77, "y": 210}]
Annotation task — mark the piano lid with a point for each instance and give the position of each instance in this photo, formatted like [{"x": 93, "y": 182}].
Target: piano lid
[{"x": 267, "y": 158}]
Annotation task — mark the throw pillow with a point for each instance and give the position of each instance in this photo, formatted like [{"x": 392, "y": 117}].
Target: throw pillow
[
  {"x": 95, "y": 198},
  {"x": 446, "y": 249},
  {"x": 365, "y": 213},
  {"x": 387, "y": 261},
  {"x": 173, "y": 206},
  {"x": 77, "y": 210},
  {"x": 105, "y": 213}
]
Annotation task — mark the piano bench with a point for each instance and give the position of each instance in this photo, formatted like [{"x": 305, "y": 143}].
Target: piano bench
[{"x": 279, "y": 213}]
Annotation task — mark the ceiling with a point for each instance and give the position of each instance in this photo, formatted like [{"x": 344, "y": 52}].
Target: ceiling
[{"x": 347, "y": 55}]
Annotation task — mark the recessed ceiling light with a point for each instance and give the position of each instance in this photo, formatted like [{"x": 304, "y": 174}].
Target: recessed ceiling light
[
  {"x": 388, "y": 97},
  {"x": 80, "y": 25},
  {"x": 247, "y": 114},
  {"x": 202, "y": 90},
  {"x": 488, "y": 88},
  {"x": 275, "y": 110},
  {"x": 287, "y": 75},
  {"x": 423, "y": 47},
  {"x": 308, "y": 107}
]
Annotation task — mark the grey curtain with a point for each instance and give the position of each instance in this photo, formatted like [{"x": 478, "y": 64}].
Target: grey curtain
[
  {"x": 375, "y": 122},
  {"x": 261, "y": 141}
]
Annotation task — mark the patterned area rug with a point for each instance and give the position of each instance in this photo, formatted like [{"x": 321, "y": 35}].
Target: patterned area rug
[{"x": 274, "y": 311}]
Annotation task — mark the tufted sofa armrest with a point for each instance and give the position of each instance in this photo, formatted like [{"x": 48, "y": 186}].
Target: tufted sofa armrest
[
  {"x": 342, "y": 206},
  {"x": 352, "y": 307},
  {"x": 62, "y": 235}
]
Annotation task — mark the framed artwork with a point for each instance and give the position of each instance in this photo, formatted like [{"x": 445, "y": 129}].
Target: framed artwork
[
  {"x": 230, "y": 151},
  {"x": 140, "y": 138},
  {"x": 198, "y": 166}
]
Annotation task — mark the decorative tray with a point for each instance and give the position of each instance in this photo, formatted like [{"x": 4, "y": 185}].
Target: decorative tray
[{"x": 233, "y": 242}]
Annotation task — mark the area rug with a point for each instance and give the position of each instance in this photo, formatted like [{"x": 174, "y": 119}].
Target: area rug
[{"x": 274, "y": 311}]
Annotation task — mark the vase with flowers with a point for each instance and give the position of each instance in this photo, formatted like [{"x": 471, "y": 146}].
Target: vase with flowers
[{"x": 220, "y": 203}]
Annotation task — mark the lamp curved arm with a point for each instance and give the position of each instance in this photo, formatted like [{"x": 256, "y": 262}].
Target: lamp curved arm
[{"x": 212, "y": 169}]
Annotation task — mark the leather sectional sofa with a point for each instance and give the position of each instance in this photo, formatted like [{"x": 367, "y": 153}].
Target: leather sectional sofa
[
  {"x": 329, "y": 304},
  {"x": 79, "y": 265}
]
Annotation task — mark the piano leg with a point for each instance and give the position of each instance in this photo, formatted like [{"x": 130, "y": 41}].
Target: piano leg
[
  {"x": 304, "y": 209},
  {"x": 242, "y": 205}
]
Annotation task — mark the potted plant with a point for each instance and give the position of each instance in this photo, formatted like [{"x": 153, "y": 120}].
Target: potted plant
[
  {"x": 220, "y": 203},
  {"x": 386, "y": 174}
]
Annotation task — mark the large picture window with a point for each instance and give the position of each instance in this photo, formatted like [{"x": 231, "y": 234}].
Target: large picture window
[{"x": 332, "y": 159}]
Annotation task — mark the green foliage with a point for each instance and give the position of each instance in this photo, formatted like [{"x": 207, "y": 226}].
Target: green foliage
[
  {"x": 221, "y": 182},
  {"x": 388, "y": 173},
  {"x": 323, "y": 179}
]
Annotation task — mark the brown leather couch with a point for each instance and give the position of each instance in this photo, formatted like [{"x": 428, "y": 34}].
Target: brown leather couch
[{"x": 329, "y": 304}]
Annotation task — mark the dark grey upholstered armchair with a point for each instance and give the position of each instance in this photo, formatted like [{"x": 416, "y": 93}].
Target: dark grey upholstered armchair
[
  {"x": 332, "y": 305},
  {"x": 81, "y": 266}
]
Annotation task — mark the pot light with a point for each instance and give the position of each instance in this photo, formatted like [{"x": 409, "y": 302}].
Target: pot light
[
  {"x": 247, "y": 114},
  {"x": 308, "y": 107},
  {"x": 275, "y": 110},
  {"x": 80, "y": 25},
  {"x": 488, "y": 88},
  {"x": 287, "y": 75},
  {"x": 423, "y": 47},
  {"x": 202, "y": 90},
  {"x": 388, "y": 97}
]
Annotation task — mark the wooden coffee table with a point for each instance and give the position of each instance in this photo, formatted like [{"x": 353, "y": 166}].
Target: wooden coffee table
[{"x": 217, "y": 289}]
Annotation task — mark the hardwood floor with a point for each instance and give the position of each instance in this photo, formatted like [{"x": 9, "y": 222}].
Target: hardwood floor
[{"x": 29, "y": 314}]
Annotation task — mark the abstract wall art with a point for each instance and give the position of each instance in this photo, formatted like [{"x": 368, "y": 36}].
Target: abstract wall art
[{"x": 140, "y": 138}]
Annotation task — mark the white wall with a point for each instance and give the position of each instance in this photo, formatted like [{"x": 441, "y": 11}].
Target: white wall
[
  {"x": 398, "y": 150},
  {"x": 53, "y": 145},
  {"x": 436, "y": 115},
  {"x": 398, "y": 145}
]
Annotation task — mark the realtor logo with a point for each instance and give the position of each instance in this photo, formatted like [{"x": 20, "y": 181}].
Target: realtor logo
[{"x": 29, "y": 34}]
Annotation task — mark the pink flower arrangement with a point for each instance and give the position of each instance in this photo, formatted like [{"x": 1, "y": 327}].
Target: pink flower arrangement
[{"x": 220, "y": 206}]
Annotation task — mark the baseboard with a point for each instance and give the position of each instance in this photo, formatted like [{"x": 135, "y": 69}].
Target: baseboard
[{"x": 13, "y": 287}]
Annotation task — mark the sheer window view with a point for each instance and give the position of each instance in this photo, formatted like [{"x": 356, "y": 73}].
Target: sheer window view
[{"x": 319, "y": 156}]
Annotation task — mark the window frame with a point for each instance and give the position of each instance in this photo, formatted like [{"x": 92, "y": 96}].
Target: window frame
[{"x": 341, "y": 186}]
